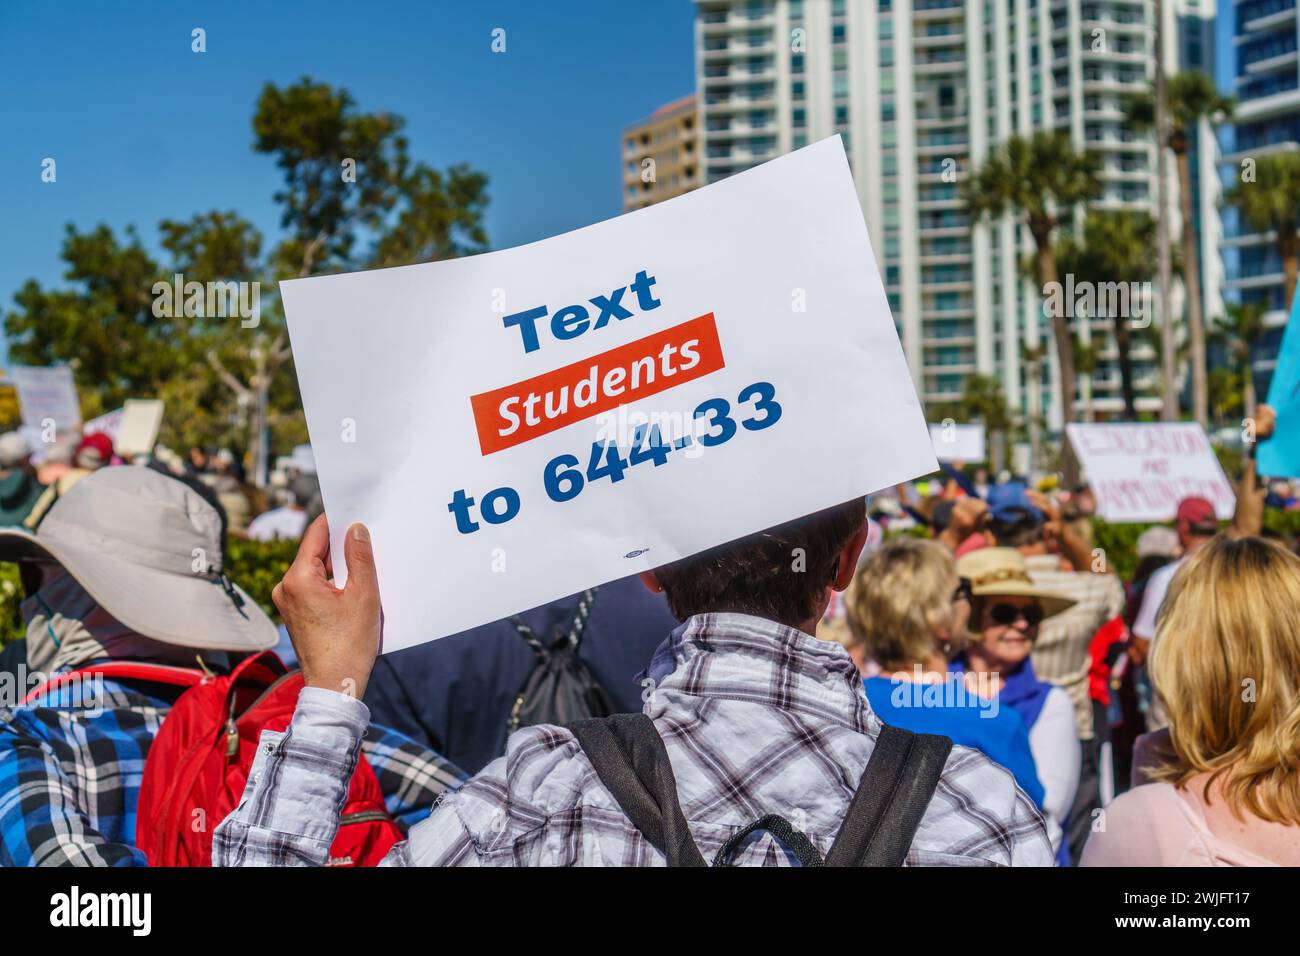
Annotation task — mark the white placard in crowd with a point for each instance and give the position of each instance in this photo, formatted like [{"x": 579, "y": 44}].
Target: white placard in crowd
[
  {"x": 106, "y": 424},
  {"x": 1140, "y": 471},
  {"x": 953, "y": 442},
  {"x": 138, "y": 430},
  {"x": 517, "y": 426},
  {"x": 47, "y": 393}
]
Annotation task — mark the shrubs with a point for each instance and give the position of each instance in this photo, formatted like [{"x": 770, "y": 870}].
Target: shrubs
[{"x": 256, "y": 566}]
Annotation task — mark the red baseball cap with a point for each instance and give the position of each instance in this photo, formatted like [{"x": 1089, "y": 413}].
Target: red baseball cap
[
  {"x": 94, "y": 451},
  {"x": 1196, "y": 512}
]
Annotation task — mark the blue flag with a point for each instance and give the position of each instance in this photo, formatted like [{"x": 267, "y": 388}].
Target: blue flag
[{"x": 1279, "y": 457}]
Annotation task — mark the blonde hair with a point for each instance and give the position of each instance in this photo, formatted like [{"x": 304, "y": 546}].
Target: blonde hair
[
  {"x": 1226, "y": 661},
  {"x": 901, "y": 595}
]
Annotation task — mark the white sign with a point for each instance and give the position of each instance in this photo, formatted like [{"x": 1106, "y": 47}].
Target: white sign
[
  {"x": 517, "y": 426},
  {"x": 106, "y": 424},
  {"x": 953, "y": 442},
  {"x": 138, "y": 430},
  {"x": 47, "y": 393},
  {"x": 1139, "y": 472}
]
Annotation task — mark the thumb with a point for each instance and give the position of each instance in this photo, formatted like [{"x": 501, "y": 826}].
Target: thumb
[{"x": 360, "y": 557}]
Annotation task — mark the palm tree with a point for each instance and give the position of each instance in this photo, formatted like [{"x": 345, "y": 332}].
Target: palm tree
[
  {"x": 1270, "y": 202},
  {"x": 1039, "y": 179},
  {"x": 1240, "y": 332},
  {"x": 1191, "y": 96},
  {"x": 982, "y": 400},
  {"x": 1032, "y": 357},
  {"x": 1088, "y": 361},
  {"x": 1118, "y": 246}
]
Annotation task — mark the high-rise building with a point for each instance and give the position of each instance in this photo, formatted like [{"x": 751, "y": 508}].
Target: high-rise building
[
  {"x": 921, "y": 91},
  {"x": 1265, "y": 68},
  {"x": 661, "y": 156}
]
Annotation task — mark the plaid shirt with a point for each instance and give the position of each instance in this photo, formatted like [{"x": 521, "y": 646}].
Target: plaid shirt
[
  {"x": 757, "y": 718},
  {"x": 70, "y": 774},
  {"x": 1061, "y": 652}
]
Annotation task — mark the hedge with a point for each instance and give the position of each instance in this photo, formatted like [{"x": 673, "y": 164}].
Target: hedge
[{"x": 258, "y": 566}]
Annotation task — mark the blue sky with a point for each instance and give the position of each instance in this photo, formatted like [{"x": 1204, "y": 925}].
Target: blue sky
[{"x": 143, "y": 129}]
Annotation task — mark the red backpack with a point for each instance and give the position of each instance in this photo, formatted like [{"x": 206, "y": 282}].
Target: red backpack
[{"x": 198, "y": 764}]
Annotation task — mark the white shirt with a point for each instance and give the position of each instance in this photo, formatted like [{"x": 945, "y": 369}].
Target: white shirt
[
  {"x": 278, "y": 523},
  {"x": 1054, "y": 743},
  {"x": 1144, "y": 625}
]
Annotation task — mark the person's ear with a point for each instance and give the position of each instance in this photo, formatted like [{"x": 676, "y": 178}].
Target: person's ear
[
  {"x": 848, "y": 559},
  {"x": 651, "y": 581}
]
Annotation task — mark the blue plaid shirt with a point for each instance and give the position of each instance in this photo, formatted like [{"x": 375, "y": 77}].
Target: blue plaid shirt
[{"x": 70, "y": 773}]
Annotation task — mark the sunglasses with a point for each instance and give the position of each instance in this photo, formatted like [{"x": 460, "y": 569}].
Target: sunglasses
[{"x": 1008, "y": 613}]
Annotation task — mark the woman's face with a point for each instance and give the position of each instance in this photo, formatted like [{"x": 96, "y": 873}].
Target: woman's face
[{"x": 1006, "y": 634}]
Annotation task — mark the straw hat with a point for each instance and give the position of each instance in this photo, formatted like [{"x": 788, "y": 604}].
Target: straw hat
[
  {"x": 147, "y": 548},
  {"x": 1001, "y": 572}
]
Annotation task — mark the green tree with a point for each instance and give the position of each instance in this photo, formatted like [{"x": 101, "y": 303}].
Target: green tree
[
  {"x": 1191, "y": 96},
  {"x": 1088, "y": 361},
  {"x": 1038, "y": 179},
  {"x": 1269, "y": 201},
  {"x": 102, "y": 324},
  {"x": 1118, "y": 245},
  {"x": 352, "y": 199},
  {"x": 1240, "y": 332},
  {"x": 982, "y": 401}
]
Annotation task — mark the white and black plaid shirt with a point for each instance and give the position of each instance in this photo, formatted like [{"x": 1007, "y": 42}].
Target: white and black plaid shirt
[{"x": 757, "y": 718}]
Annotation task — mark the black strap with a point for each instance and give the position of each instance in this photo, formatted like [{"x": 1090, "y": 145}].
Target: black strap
[
  {"x": 576, "y": 628},
  {"x": 630, "y": 759},
  {"x": 887, "y": 808},
  {"x": 781, "y": 828},
  {"x": 628, "y": 756}
]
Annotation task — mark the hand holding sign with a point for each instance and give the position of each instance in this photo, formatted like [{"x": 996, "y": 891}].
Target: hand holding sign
[{"x": 335, "y": 631}]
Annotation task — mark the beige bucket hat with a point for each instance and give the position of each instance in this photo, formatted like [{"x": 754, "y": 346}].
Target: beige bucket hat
[
  {"x": 147, "y": 548},
  {"x": 1001, "y": 572}
]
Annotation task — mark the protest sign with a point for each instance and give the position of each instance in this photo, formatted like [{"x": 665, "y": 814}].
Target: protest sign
[
  {"x": 47, "y": 394},
  {"x": 1140, "y": 471},
  {"x": 953, "y": 442},
  {"x": 516, "y": 426},
  {"x": 138, "y": 429},
  {"x": 1280, "y": 456},
  {"x": 106, "y": 424}
]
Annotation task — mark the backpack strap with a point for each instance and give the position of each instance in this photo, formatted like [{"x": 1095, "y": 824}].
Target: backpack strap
[
  {"x": 580, "y": 616},
  {"x": 781, "y": 828},
  {"x": 629, "y": 757},
  {"x": 891, "y": 799},
  {"x": 158, "y": 673},
  {"x": 576, "y": 628}
]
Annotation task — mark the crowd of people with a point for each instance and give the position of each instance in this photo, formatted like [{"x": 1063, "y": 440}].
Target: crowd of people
[{"x": 959, "y": 634}]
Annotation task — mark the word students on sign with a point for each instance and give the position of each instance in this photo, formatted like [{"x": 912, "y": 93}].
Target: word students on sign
[
  {"x": 461, "y": 409},
  {"x": 1140, "y": 472}
]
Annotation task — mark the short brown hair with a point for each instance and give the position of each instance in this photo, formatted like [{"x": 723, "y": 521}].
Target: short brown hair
[{"x": 780, "y": 574}]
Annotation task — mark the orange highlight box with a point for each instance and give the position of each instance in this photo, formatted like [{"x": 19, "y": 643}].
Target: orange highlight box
[{"x": 513, "y": 414}]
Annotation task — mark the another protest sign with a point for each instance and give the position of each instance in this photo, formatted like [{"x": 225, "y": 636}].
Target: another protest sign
[
  {"x": 1140, "y": 471},
  {"x": 138, "y": 429},
  {"x": 954, "y": 442},
  {"x": 1279, "y": 456},
  {"x": 106, "y": 424},
  {"x": 47, "y": 395},
  {"x": 520, "y": 425}
]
